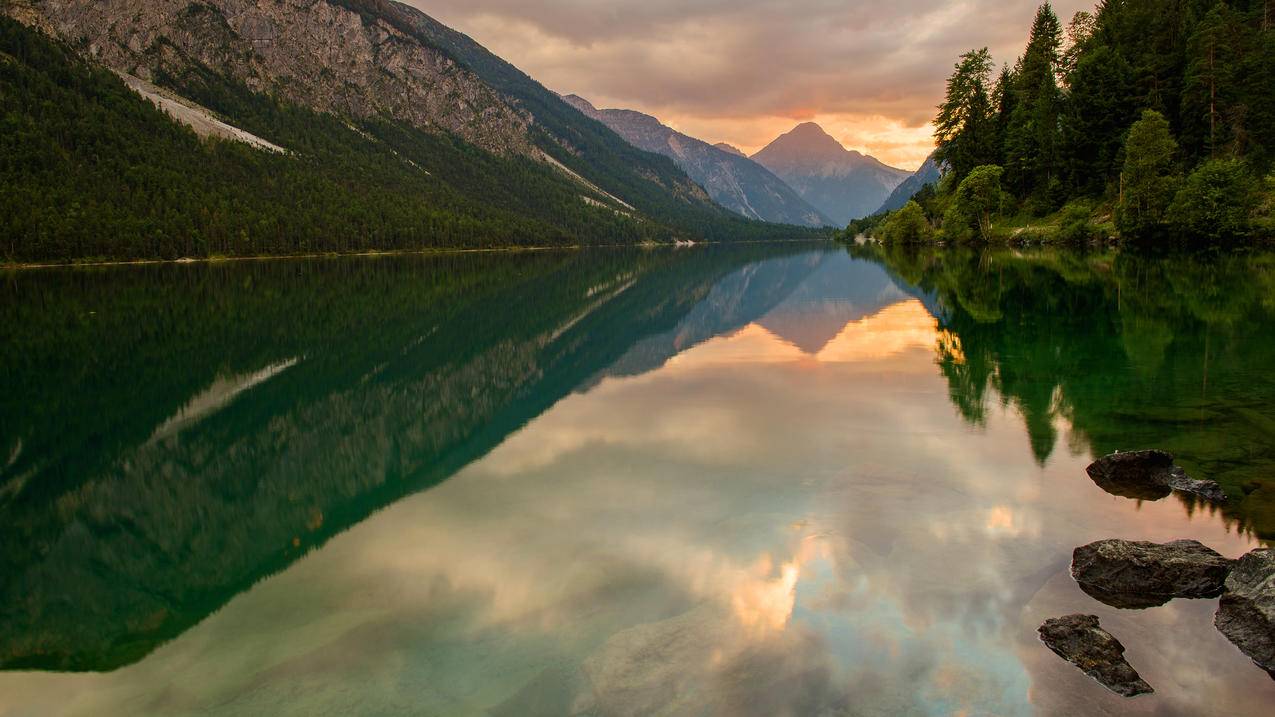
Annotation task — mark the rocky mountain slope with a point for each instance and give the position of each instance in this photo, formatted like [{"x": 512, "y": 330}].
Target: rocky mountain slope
[
  {"x": 732, "y": 180},
  {"x": 928, "y": 174},
  {"x": 374, "y": 104},
  {"x": 339, "y": 57},
  {"x": 843, "y": 184}
]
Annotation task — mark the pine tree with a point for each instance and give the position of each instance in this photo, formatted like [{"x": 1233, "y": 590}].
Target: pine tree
[
  {"x": 1003, "y": 98},
  {"x": 1206, "y": 91},
  {"x": 964, "y": 129},
  {"x": 1032, "y": 151},
  {"x": 1099, "y": 110}
]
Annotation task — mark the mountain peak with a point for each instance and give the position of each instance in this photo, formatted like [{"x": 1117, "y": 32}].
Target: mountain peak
[
  {"x": 730, "y": 149},
  {"x": 841, "y": 183},
  {"x": 808, "y": 141},
  {"x": 809, "y": 128},
  {"x": 586, "y": 107}
]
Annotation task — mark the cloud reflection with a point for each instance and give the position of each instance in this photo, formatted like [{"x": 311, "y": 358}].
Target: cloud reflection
[{"x": 747, "y": 530}]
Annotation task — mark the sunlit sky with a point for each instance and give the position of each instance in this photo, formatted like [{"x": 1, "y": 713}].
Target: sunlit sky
[{"x": 746, "y": 71}]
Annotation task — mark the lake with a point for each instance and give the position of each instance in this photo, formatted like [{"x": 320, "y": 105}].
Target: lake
[{"x": 772, "y": 479}]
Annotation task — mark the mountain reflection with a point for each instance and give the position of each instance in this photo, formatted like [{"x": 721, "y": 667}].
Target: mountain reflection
[
  {"x": 701, "y": 482},
  {"x": 175, "y": 433}
]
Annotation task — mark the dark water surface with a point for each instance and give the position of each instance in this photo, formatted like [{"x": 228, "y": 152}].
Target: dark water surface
[{"x": 772, "y": 480}]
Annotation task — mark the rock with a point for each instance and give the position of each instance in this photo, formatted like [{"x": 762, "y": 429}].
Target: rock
[
  {"x": 1246, "y": 614},
  {"x": 1080, "y": 640},
  {"x": 1135, "y": 575},
  {"x": 1178, "y": 480},
  {"x": 1149, "y": 475}
]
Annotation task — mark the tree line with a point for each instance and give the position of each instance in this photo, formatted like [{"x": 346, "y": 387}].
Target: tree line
[{"x": 1144, "y": 119}]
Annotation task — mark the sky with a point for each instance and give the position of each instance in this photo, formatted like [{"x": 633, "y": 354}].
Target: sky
[{"x": 746, "y": 71}]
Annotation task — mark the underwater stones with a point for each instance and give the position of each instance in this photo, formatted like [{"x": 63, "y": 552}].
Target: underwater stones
[
  {"x": 1149, "y": 475},
  {"x": 1246, "y": 614},
  {"x": 1135, "y": 574},
  {"x": 1080, "y": 640}
]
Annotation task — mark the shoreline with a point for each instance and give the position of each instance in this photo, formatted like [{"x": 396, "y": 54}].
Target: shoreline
[{"x": 30, "y": 266}]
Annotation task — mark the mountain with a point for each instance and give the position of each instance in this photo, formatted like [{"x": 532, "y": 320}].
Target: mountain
[
  {"x": 732, "y": 180},
  {"x": 730, "y": 149},
  {"x": 929, "y": 173},
  {"x": 843, "y": 184},
  {"x": 374, "y": 127}
]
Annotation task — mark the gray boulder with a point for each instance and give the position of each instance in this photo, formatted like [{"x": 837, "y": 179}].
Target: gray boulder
[
  {"x": 1246, "y": 614},
  {"x": 1149, "y": 475},
  {"x": 1135, "y": 574},
  {"x": 1080, "y": 640}
]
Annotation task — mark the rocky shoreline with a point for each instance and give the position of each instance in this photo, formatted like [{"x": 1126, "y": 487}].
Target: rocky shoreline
[{"x": 1136, "y": 575}]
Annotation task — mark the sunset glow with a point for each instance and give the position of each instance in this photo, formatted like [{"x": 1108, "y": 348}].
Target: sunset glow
[{"x": 745, "y": 72}]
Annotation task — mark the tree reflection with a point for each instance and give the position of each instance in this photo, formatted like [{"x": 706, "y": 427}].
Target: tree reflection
[{"x": 1121, "y": 350}]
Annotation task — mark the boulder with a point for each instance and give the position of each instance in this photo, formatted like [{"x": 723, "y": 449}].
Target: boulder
[
  {"x": 1135, "y": 575},
  {"x": 1246, "y": 614},
  {"x": 1149, "y": 475},
  {"x": 1080, "y": 640}
]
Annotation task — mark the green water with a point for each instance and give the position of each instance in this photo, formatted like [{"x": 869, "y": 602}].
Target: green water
[{"x": 778, "y": 479}]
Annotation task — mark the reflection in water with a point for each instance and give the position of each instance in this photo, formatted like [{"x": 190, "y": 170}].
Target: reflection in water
[
  {"x": 705, "y": 496},
  {"x": 1122, "y": 351}
]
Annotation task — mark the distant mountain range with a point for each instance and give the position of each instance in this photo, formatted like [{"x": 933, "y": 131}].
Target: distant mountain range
[
  {"x": 396, "y": 132},
  {"x": 731, "y": 179},
  {"x": 842, "y": 184},
  {"x": 929, "y": 173}
]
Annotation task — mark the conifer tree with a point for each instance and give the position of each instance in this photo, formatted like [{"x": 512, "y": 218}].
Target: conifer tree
[
  {"x": 964, "y": 129},
  {"x": 1032, "y": 151},
  {"x": 1207, "y": 86},
  {"x": 1003, "y": 99},
  {"x": 1099, "y": 110}
]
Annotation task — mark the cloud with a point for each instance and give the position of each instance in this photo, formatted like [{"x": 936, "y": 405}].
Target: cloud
[{"x": 743, "y": 71}]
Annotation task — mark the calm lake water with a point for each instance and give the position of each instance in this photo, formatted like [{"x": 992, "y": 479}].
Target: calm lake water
[{"x": 771, "y": 480}]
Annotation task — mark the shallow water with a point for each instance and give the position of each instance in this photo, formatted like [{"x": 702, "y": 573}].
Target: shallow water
[{"x": 768, "y": 480}]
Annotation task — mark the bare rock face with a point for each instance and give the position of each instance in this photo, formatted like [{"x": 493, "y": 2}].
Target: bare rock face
[
  {"x": 732, "y": 180},
  {"x": 1246, "y": 614},
  {"x": 1080, "y": 640},
  {"x": 1149, "y": 475},
  {"x": 357, "y": 58},
  {"x": 1135, "y": 575}
]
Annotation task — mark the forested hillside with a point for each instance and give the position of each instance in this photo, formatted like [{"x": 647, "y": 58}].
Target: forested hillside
[
  {"x": 1145, "y": 118},
  {"x": 92, "y": 170}
]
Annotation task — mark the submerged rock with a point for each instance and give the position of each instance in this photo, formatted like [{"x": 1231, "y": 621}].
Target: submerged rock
[
  {"x": 1149, "y": 475},
  {"x": 1135, "y": 575},
  {"x": 1246, "y": 614},
  {"x": 1080, "y": 640}
]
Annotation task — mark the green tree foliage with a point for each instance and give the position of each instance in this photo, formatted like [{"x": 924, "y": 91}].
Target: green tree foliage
[
  {"x": 1099, "y": 111},
  {"x": 1216, "y": 202},
  {"x": 965, "y": 129},
  {"x": 1075, "y": 223},
  {"x": 1208, "y": 111},
  {"x": 978, "y": 197},
  {"x": 1062, "y": 112},
  {"x": 908, "y": 225},
  {"x": 1003, "y": 97},
  {"x": 1150, "y": 176},
  {"x": 1033, "y": 156}
]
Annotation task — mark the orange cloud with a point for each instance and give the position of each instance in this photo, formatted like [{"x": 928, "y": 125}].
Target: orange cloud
[{"x": 745, "y": 71}]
